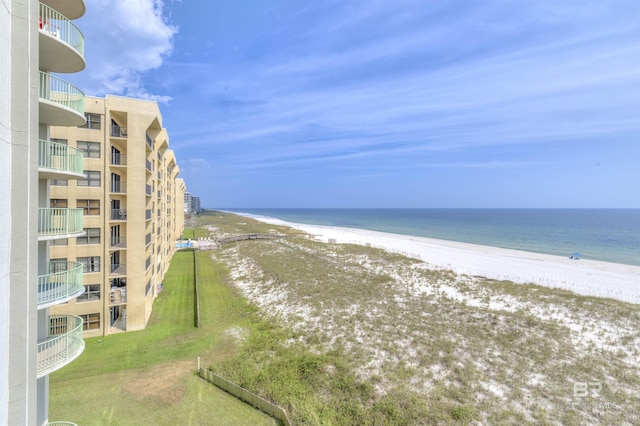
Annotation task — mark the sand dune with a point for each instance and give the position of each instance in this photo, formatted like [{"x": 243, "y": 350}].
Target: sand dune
[{"x": 587, "y": 277}]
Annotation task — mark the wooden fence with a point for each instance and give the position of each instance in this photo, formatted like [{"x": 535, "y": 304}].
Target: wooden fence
[
  {"x": 243, "y": 394},
  {"x": 242, "y": 237}
]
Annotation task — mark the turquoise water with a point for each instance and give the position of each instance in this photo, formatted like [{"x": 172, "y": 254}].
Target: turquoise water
[
  {"x": 184, "y": 244},
  {"x": 610, "y": 235}
]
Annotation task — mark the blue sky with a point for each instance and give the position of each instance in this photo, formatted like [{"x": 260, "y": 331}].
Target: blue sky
[{"x": 432, "y": 103}]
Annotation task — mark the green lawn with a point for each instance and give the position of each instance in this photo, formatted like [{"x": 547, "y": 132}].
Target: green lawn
[{"x": 148, "y": 377}]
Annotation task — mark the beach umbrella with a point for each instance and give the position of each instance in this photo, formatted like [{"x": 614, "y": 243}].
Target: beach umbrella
[{"x": 575, "y": 255}]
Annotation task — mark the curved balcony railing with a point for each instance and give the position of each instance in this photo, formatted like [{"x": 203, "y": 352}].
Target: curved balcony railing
[
  {"x": 63, "y": 282},
  {"x": 72, "y": 9},
  {"x": 60, "y": 157},
  {"x": 62, "y": 345},
  {"x": 54, "y": 222},
  {"x": 57, "y": 25},
  {"x": 61, "y": 424},
  {"x": 59, "y": 91}
]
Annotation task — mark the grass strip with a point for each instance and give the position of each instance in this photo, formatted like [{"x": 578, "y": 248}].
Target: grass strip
[{"x": 148, "y": 377}]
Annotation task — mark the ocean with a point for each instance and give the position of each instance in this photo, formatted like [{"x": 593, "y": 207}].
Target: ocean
[{"x": 610, "y": 235}]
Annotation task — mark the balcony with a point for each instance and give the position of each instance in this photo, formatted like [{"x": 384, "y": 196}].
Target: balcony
[
  {"x": 59, "y": 161},
  {"x": 61, "y": 42},
  {"x": 118, "y": 242},
  {"x": 118, "y": 159},
  {"x": 61, "y": 424},
  {"x": 61, "y": 103},
  {"x": 63, "y": 282},
  {"x": 117, "y": 270},
  {"x": 118, "y": 296},
  {"x": 117, "y": 187},
  {"x": 62, "y": 345},
  {"x": 119, "y": 214},
  {"x": 55, "y": 223},
  {"x": 72, "y": 9},
  {"x": 118, "y": 131}
]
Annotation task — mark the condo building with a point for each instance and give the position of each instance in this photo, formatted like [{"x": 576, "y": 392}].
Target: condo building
[
  {"x": 38, "y": 38},
  {"x": 131, "y": 204},
  {"x": 191, "y": 203}
]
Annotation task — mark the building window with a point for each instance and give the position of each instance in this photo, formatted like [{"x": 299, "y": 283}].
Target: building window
[
  {"x": 92, "y": 236},
  {"x": 58, "y": 203},
  {"x": 58, "y": 182},
  {"x": 147, "y": 288},
  {"x": 89, "y": 149},
  {"x": 90, "y": 321},
  {"x": 57, "y": 265},
  {"x": 93, "y": 121},
  {"x": 60, "y": 242},
  {"x": 92, "y": 178},
  {"x": 90, "y": 264},
  {"x": 91, "y": 293},
  {"x": 89, "y": 207}
]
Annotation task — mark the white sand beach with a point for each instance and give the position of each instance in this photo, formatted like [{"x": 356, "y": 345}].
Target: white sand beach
[{"x": 587, "y": 277}]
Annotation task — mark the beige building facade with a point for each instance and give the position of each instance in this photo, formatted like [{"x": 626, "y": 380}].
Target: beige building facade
[{"x": 131, "y": 200}]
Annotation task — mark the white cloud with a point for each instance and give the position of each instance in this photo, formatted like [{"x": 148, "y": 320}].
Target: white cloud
[
  {"x": 193, "y": 166},
  {"x": 124, "y": 39}
]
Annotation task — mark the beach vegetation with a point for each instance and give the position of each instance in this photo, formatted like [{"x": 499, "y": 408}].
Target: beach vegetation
[
  {"x": 465, "y": 349},
  {"x": 348, "y": 334}
]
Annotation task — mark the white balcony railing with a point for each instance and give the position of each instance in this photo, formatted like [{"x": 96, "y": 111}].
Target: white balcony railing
[
  {"x": 57, "y": 25},
  {"x": 62, "y": 92},
  {"x": 54, "y": 222},
  {"x": 62, "y": 345},
  {"x": 63, "y": 282},
  {"x": 57, "y": 156}
]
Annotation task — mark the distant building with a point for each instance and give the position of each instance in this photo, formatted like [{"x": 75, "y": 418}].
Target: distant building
[
  {"x": 191, "y": 204},
  {"x": 131, "y": 210},
  {"x": 195, "y": 204},
  {"x": 188, "y": 203}
]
